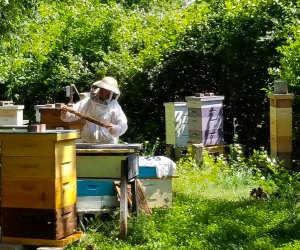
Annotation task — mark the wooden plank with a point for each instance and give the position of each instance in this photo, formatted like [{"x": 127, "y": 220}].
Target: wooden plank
[
  {"x": 123, "y": 201},
  {"x": 280, "y": 96},
  {"x": 99, "y": 146},
  {"x": 281, "y": 103},
  {"x": 104, "y": 151},
  {"x": 16, "y": 138},
  {"x": 134, "y": 192},
  {"x": 42, "y": 242},
  {"x": 142, "y": 198}
]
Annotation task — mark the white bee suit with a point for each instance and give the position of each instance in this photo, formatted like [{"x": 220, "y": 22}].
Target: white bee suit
[{"x": 111, "y": 113}]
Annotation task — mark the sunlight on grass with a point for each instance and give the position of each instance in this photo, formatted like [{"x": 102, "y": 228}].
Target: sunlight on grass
[{"x": 212, "y": 183}]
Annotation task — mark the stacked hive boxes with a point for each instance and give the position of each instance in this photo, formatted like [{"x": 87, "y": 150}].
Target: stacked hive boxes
[
  {"x": 205, "y": 120},
  {"x": 97, "y": 170},
  {"x": 11, "y": 114},
  {"x": 156, "y": 174},
  {"x": 176, "y": 119},
  {"x": 38, "y": 185},
  {"x": 281, "y": 126}
]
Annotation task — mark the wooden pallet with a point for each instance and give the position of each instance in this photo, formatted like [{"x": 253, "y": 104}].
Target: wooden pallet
[{"x": 45, "y": 242}]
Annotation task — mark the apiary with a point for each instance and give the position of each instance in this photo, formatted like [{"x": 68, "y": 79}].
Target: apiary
[
  {"x": 205, "y": 119},
  {"x": 38, "y": 184}
]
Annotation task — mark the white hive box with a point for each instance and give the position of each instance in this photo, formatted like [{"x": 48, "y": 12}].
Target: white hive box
[
  {"x": 11, "y": 115},
  {"x": 176, "y": 122},
  {"x": 158, "y": 192}
]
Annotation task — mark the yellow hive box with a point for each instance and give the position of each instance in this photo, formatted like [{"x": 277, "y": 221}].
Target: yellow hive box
[
  {"x": 38, "y": 193},
  {"x": 281, "y": 143},
  {"x": 280, "y": 113},
  {"x": 281, "y": 128},
  {"x": 38, "y": 167},
  {"x": 37, "y": 143}
]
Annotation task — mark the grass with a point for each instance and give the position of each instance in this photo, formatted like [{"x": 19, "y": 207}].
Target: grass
[{"x": 212, "y": 209}]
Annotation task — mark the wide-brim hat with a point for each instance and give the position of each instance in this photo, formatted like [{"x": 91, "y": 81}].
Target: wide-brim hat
[{"x": 108, "y": 83}]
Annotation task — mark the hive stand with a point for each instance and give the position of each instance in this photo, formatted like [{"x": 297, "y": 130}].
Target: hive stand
[{"x": 111, "y": 161}]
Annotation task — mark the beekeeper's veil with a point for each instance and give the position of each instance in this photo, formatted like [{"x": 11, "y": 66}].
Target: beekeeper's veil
[{"x": 108, "y": 83}]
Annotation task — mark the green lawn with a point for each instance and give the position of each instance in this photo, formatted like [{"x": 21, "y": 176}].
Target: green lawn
[{"x": 212, "y": 209}]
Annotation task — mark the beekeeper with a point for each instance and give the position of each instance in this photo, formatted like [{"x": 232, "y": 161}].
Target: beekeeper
[{"x": 102, "y": 105}]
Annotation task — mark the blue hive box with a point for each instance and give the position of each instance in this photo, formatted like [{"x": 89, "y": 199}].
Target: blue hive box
[
  {"x": 147, "y": 172},
  {"x": 96, "y": 187}
]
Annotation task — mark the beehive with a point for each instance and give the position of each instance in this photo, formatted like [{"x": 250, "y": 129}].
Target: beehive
[
  {"x": 281, "y": 126},
  {"x": 96, "y": 194},
  {"x": 50, "y": 115},
  {"x": 156, "y": 175},
  {"x": 205, "y": 120},
  {"x": 176, "y": 119},
  {"x": 158, "y": 191},
  {"x": 11, "y": 115},
  {"x": 38, "y": 184}
]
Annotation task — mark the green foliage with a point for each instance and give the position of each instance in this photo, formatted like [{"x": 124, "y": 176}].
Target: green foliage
[
  {"x": 150, "y": 149},
  {"x": 158, "y": 50}
]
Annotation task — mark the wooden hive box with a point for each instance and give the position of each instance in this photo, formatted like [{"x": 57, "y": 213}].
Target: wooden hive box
[
  {"x": 105, "y": 160},
  {"x": 102, "y": 166},
  {"x": 38, "y": 169},
  {"x": 158, "y": 191},
  {"x": 51, "y": 117},
  {"x": 281, "y": 126},
  {"x": 39, "y": 223},
  {"x": 176, "y": 123},
  {"x": 38, "y": 183},
  {"x": 11, "y": 115},
  {"x": 205, "y": 120},
  {"x": 38, "y": 193},
  {"x": 96, "y": 194}
]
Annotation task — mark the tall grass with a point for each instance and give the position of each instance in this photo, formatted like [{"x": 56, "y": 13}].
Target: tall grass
[{"x": 212, "y": 209}]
